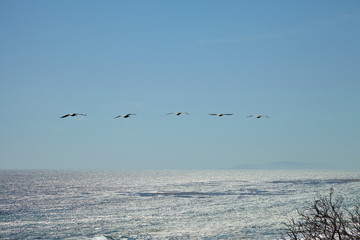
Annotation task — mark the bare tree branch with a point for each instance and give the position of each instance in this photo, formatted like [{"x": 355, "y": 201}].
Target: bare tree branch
[{"x": 325, "y": 218}]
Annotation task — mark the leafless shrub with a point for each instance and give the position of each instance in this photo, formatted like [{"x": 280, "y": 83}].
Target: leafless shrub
[{"x": 325, "y": 218}]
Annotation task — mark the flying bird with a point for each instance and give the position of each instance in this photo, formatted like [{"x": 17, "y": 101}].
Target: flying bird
[
  {"x": 73, "y": 115},
  {"x": 125, "y": 116},
  {"x": 258, "y": 116},
  {"x": 220, "y": 114},
  {"x": 178, "y": 113}
]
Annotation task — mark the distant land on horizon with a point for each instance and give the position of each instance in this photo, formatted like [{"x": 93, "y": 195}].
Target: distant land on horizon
[{"x": 283, "y": 165}]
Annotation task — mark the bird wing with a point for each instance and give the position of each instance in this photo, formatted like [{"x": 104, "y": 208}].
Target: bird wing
[
  {"x": 228, "y": 114},
  {"x": 170, "y": 113},
  {"x": 186, "y": 113},
  {"x": 250, "y": 116},
  {"x": 213, "y": 114},
  {"x": 81, "y": 114},
  {"x": 65, "y": 116},
  {"x": 118, "y": 116}
]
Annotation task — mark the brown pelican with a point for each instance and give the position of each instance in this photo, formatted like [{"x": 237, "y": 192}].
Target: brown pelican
[
  {"x": 73, "y": 115},
  {"x": 258, "y": 116},
  {"x": 178, "y": 113},
  {"x": 220, "y": 114},
  {"x": 125, "y": 116}
]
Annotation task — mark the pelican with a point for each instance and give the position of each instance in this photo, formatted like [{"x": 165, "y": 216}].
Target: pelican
[
  {"x": 178, "y": 113},
  {"x": 73, "y": 115},
  {"x": 258, "y": 116},
  {"x": 220, "y": 114},
  {"x": 125, "y": 116}
]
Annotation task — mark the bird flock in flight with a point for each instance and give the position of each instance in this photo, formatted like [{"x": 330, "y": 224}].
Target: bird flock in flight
[{"x": 175, "y": 113}]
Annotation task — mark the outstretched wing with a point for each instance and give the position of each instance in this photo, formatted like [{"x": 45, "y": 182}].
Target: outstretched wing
[
  {"x": 250, "y": 116},
  {"x": 81, "y": 114},
  {"x": 118, "y": 116},
  {"x": 212, "y": 114},
  {"x": 65, "y": 116},
  {"x": 228, "y": 114}
]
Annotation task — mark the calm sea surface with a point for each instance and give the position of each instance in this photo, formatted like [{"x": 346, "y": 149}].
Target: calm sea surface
[{"x": 164, "y": 204}]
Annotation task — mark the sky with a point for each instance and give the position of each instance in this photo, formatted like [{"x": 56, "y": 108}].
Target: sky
[{"x": 295, "y": 61}]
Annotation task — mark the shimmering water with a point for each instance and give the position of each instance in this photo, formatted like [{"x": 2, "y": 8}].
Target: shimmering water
[{"x": 164, "y": 204}]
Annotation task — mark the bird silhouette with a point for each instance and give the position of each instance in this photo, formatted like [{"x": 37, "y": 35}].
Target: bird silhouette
[
  {"x": 220, "y": 114},
  {"x": 125, "y": 116},
  {"x": 73, "y": 115},
  {"x": 178, "y": 113},
  {"x": 258, "y": 116}
]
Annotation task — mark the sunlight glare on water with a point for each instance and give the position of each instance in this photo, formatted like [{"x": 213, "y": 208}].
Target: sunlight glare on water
[{"x": 162, "y": 204}]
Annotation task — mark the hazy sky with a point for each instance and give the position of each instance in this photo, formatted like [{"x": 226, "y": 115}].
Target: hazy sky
[{"x": 296, "y": 61}]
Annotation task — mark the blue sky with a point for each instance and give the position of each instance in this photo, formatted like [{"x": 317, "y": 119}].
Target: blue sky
[{"x": 296, "y": 61}]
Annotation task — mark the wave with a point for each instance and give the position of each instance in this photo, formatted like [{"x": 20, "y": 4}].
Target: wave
[
  {"x": 245, "y": 192},
  {"x": 316, "y": 181}
]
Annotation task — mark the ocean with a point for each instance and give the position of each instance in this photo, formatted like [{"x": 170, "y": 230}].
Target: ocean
[{"x": 161, "y": 204}]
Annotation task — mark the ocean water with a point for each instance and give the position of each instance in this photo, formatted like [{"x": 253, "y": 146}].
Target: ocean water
[{"x": 163, "y": 204}]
